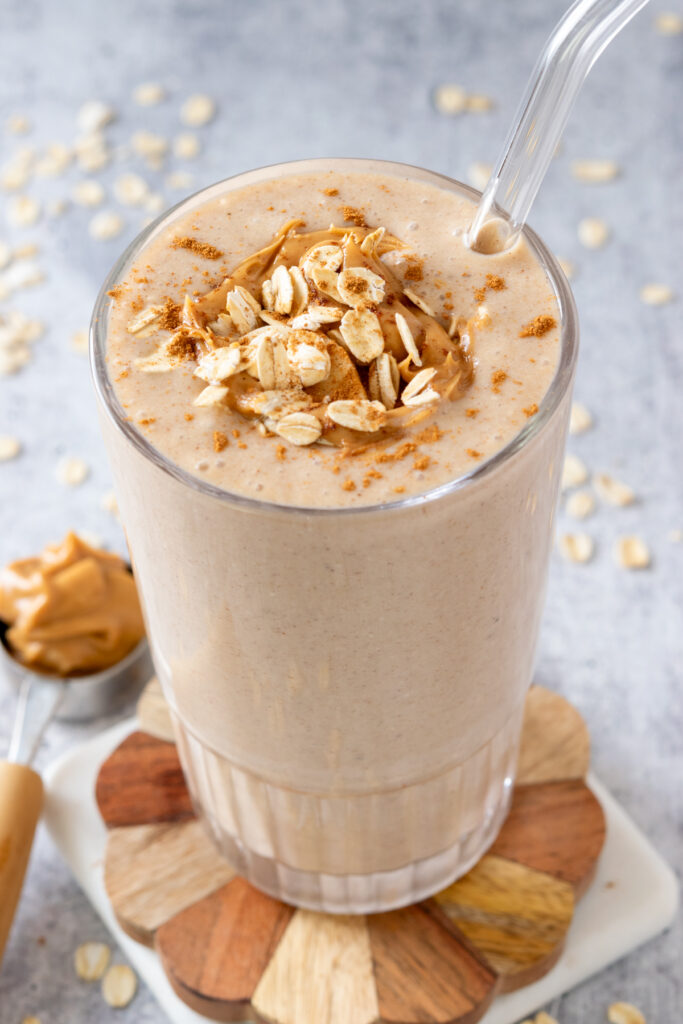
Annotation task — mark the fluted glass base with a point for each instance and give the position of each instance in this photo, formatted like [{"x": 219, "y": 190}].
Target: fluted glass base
[{"x": 353, "y": 853}]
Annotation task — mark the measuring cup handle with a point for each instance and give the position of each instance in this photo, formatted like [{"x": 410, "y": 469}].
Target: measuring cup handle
[{"x": 21, "y": 801}]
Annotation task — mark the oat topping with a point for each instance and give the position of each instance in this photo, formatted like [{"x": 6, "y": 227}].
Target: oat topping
[{"x": 316, "y": 337}]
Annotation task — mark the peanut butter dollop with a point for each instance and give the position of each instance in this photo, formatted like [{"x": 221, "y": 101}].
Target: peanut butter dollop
[{"x": 71, "y": 610}]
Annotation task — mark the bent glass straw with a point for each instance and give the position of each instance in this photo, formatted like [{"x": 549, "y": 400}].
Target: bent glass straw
[{"x": 568, "y": 55}]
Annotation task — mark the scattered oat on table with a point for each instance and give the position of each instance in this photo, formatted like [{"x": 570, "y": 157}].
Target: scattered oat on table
[
  {"x": 478, "y": 175},
  {"x": 624, "y": 1013},
  {"x": 580, "y": 505},
  {"x": 148, "y": 94},
  {"x": 477, "y": 103},
  {"x": 574, "y": 472},
  {"x": 94, "y": 115},
  {"x": 654, "y": 294},
  {"x": 186, "y": 146},
  {"x": 179, "y": 179},
  {"x": 544, "y": 1018},
  {"x": 593, "y": 232},
  {"x": 105, "y": 225},
  {"x": 580, "y": 419},
  {"x": 669, "y": 23},
  {"x": 450, "y": 98},
  {"x": 55, "y": 160},
  {"x": 568, "y": 268},
  {"x": 56, "y": 207},
  {"x": 17, "y": 124},
  {"x": 17, "y": 332},
  {"x": 79, "y": 342},
  {"x": 151, "y": 147},
  {"x": 110, "y": 504},
  {"x": 9, "y": 447},
  {"x": 613, "y": 491},
  {"x": 23, "y": 211},
  {"x": 88, "y": 192},
  {"x": 131, "y": 190},
  {"x": 576, "y": 547},
  {"x": 72, "y": 471},
  {"x": 594, "y": 171},
  {"x": 92, "y": 152},
  {"x": 632, "y": 553},
  {"x": 119, "y": 985},
  {"x": 91, "y": 960},
  {"x": 20, "y": 274},
  {"x": 197, "y": 110}
]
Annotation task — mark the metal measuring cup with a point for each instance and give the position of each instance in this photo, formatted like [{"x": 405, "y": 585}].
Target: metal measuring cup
[{"x": 43, "y": 697}]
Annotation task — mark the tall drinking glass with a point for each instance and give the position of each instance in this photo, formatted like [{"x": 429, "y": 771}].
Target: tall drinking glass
[{"x": 346, "y": 684}]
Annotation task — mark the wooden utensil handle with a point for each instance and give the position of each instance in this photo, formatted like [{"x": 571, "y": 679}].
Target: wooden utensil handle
[{"x": 21, "y": 801}]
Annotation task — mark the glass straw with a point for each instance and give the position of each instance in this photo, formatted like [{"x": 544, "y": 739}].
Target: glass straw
[{"x": 568, "y": 55}]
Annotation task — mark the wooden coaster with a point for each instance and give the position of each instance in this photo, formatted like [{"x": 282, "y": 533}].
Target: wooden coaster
[{"x": 232, "y": 953}]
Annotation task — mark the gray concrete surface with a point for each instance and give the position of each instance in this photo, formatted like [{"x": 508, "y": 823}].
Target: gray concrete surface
[{"x": 351, "y": 78}]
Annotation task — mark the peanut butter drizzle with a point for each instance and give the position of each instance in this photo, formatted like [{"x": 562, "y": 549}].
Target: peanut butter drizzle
[
  {"x": 72, "y": 610},
  {"x": 451, "y": 356}
]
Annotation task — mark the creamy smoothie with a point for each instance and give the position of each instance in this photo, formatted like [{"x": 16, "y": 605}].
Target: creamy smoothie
[{"x": 336, "y": 435}]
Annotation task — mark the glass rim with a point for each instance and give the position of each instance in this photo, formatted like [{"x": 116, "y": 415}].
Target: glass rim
[{"x": 559, "y": 384}]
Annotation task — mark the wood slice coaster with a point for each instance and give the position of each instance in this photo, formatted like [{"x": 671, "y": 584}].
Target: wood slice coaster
[{"x": 233, "y": 954}]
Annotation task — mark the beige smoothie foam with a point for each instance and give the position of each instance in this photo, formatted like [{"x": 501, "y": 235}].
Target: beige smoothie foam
[{"x": 329, "y": 340}]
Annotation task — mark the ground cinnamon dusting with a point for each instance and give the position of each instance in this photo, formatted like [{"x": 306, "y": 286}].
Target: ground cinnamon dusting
[
  {"x": 473, "y": 453},
  {"x": 146, "y": 420},
  {"x": 479, "y": 294},
  {"x": 117, "y": 292},
  {"x": 220, "y": 441},
  {"x": 183, "y": 346},
  {"x": 497, "y": 378},
  {"x": 353, "y": 214},
  {"x": 331, "y": 191},
  {"x": 429, "y": 435},
  {"x": 209, "y": 252},
  {"x": 401, "y": 453},
  {"x": 495, "y": 283},
  {"x": 281, "y": 452},
  {"x": 421, "y": 462},
  {"x": 235, "y": 432},
  {"x": 399, "y": 490},
  {"x": 189, "y": 416},
  {"x": 471, "y": 413},
  {"x": 530, "y": 410},
  {"x": 348, "y": 485},
  {"x": 537, "y": 327}
]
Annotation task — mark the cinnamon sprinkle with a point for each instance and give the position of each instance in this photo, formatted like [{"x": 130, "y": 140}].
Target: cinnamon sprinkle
[
  {"x": 281, "y": 452},
  {"x": 331, "y": 191},
  {"x": 189, "y": 416},
  {"x": 497, "y": 378},
  {"x": 497, "y": 284},
  {"x": 348, "y": 485},
  {"x": 407, "y": 448},
  {"x": 353, "y": 214},
  {"x": 183, "y": 346},
  {"x": 537, "y": 327},
  {"x": 530, "y": 410},
  {"x": 473, "y": 453},
  {"x": 429, "y": 435},
  {"x": 421, "y": 462},
  {"x": 220, "y": 441},
  {"x": 209, "y": 252},
  {"x": 471, "y": 413}
]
